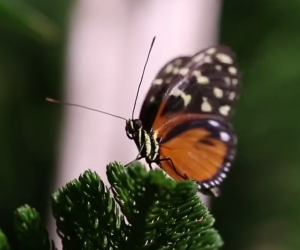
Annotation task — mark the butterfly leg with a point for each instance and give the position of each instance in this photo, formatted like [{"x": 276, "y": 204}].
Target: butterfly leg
[
  {"x": 136, "y": 159},
  {"x": 169, "y": 159}
]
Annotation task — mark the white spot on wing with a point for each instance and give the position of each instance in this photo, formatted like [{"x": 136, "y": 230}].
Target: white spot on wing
[
  {"x": 185, "y": 97},
  {"x": 218, "y": 92},
  {"x": 234, "y": 81},
  {"x": 218, "y": 67},
  {"x": 175, "y": 70},
  {"x": 183, "y": 71},
  {"x": 214, "y": 123},
  {"x": 205, "y": 185},
  {"x": 224, "y": 136},
  {"x": 227, "y": 80},
  {"x": 158, "y": 81},
  {"x": 224, "y": 110},
  {"x": 207, "y": 59},
  {"x": 169, "y": 68},
  {"x": 231, "y": 96},
  {"x": 223, "y": 58},
  {"x": 152, "y": 99},
  {"x": 205, "y": 106},
  {"x": 223, "y": 175},
  {"x": 200, "y": 78},
  {"x": 211, "y": 51},
  {"x": 232, "y": 70}
]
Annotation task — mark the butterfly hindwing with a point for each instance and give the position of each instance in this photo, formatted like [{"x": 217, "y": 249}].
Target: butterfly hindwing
[
  {"x": 209, "y": 84},
  {"x": 167, "y": 76},
  {"x": 200, "y": 148}
]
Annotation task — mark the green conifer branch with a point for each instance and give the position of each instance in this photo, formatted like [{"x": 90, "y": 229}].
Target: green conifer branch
[
  {"x": 142, "y": 210},
  {"x": 162, "y": 213},
  {"x": 3, "y": 242},
  {"x": 29, "y": 229},
  {"x": 86, "y": 215}
]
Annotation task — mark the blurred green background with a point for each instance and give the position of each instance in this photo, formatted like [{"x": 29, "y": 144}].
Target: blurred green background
[
  {"x": 258, "y": 208},
  {"x": 32, "y": 35}
]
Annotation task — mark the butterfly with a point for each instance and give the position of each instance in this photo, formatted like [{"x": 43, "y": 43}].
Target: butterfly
[{"x": 184, "y": 124}]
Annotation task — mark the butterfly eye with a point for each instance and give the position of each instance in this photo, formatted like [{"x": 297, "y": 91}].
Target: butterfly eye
[
  {"x": 137, "y": 124},
  {"x": 132, "y": 128}
]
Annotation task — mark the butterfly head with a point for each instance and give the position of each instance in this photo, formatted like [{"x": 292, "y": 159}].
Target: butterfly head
[{"x": 133, "y": 127}]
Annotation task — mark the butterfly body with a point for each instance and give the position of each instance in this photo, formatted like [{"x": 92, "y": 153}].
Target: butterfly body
[
  {"x": 146, "y": 142},
  {"x": 185, "y": 121}
]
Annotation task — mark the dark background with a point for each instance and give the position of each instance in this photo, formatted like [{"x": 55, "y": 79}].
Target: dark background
[{"x": 258, "y": 209}]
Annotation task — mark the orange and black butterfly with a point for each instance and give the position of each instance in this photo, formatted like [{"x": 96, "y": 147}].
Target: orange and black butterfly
[{"x": 184, "y": 124}]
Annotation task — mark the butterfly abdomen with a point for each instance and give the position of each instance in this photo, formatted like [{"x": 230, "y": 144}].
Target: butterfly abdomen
[{"x": 150, "y": 144}]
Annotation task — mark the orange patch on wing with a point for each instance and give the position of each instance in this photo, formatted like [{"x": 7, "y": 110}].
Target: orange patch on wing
[{"x": 192, "y": 158}]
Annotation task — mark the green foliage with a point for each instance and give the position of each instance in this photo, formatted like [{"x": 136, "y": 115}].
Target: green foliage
[
  {"x": 142, "y": 210},
  {"x": 3, "y": 242},
  {"x": 30, "y": 232},
  {"x": 28, "y": 19}
]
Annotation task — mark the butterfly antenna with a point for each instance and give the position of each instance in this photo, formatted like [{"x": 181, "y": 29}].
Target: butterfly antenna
[
  {"x": 137, "y": 93},
  {"x": 80, "y": 106}
]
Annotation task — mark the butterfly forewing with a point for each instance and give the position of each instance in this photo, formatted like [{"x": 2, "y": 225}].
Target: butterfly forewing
[
  {"x": 208, "y": 84},
  {"x": 165, "y": 78}
]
